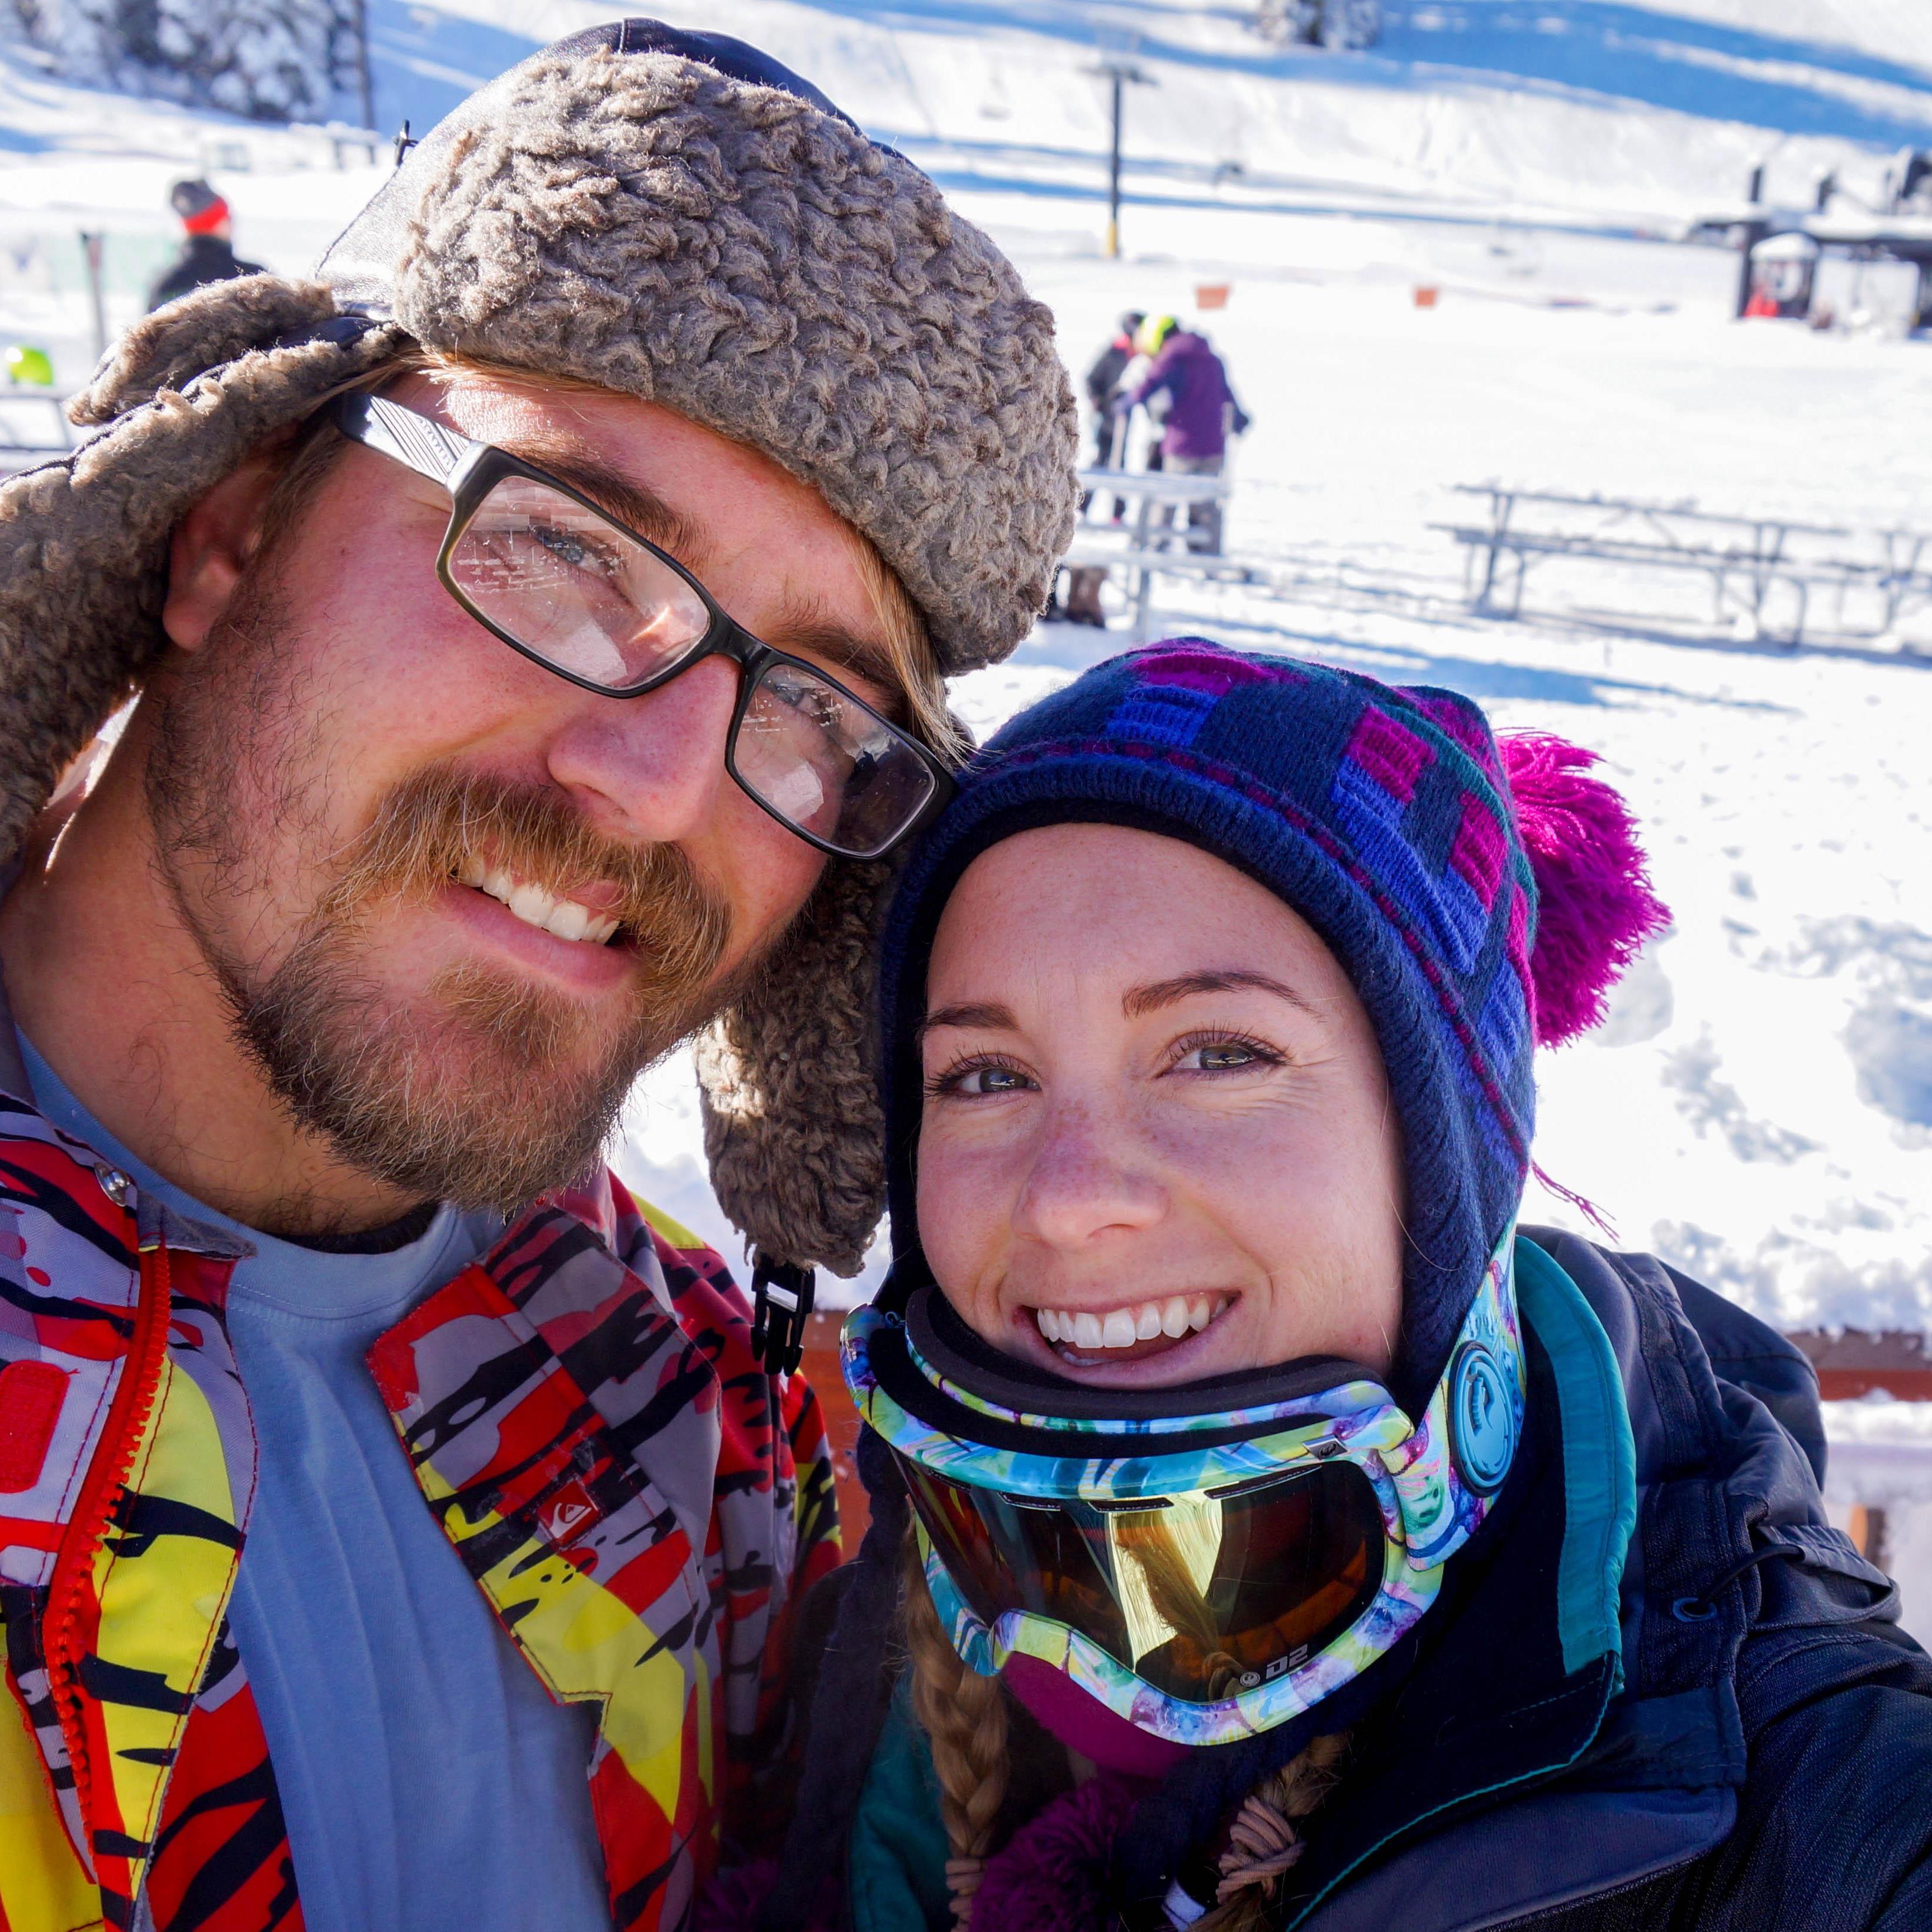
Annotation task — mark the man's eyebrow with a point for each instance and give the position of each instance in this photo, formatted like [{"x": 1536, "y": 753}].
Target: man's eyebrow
[
  {"x": 1141, "y": 1000},
  {"x": 806, "y": 632},
  {"x": 635, "y": 505},
  {"x": 988, "y": 1014}
]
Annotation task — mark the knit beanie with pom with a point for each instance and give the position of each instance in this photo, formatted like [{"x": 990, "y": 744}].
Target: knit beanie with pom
[{"x": 1482, "y": 894}]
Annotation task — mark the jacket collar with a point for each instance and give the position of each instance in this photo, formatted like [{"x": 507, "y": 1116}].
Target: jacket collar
[
  {"x": 1614, "y": 1727},
  {"x": 1531, "y": 1609}
]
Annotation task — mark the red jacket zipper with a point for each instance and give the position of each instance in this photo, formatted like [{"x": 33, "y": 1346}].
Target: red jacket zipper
[{"x": 112, "y": 1462}]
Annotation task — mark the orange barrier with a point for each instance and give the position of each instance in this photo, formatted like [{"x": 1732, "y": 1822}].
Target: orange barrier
[{"x": 842, "y": 1424}]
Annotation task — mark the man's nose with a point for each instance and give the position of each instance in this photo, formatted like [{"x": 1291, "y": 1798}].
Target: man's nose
[
  {"x": 1087, "y": 1179},
  {"x": 652, "y": 768}
]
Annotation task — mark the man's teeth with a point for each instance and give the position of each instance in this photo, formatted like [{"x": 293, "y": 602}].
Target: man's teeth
[
  {"x": 1122, "y": 1327},
  {"x": 534, "y": 907}
]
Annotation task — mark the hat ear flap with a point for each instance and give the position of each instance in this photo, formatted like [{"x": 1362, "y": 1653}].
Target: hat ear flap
[
  {"x": 1595, "y": 906},
  {"x": 788, "y": 1082},
  {"x": 203, "y": 330}
]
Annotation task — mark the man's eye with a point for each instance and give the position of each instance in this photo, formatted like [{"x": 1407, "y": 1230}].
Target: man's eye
[{"x": 570, "y": 547}]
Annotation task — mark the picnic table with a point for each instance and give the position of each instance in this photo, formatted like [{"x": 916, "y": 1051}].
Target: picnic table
[{"x": 1744, "y": 558}]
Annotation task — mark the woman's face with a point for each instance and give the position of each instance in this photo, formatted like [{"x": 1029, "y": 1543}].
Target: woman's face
[{"x": 1157, "y": 1141}]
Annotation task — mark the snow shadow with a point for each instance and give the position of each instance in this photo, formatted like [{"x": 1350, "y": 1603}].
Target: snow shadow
[
  {"x": 1665, "y": 59},
  {"x": 425, "y": 60},
  {"x": 1593, "y": 49},
  {"x": 1888, "y": 1036},
  {"x": 1067, "y": 647}
]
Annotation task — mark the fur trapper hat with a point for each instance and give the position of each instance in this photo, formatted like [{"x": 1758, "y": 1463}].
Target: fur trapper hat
[{"x": 674, "y": 216}]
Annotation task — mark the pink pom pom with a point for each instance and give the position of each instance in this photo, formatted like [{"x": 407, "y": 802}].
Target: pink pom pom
[{"x": 1595, "y": 906}]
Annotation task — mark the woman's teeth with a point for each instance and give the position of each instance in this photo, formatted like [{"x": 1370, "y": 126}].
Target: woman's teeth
[
  {"x": 1126, "y": 1328},
  {"x": 565, "y": 918}
]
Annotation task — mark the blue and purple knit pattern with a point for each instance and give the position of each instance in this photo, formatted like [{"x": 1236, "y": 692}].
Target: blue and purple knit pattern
[{"x": 1381, "y": 814}]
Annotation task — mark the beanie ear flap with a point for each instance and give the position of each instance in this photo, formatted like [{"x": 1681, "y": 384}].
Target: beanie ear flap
[
  {"x": 793, "y": 1129},
  {"x": 1595, "y": 906},
  {"x": 204, "y": 330}
]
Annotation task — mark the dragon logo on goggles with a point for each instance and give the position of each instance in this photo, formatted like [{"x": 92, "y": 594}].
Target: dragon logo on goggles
[{"x": 1206, "y": 1575}]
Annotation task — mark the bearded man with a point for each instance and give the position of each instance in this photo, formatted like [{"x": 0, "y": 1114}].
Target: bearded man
[{"x": 538, "y": 624}]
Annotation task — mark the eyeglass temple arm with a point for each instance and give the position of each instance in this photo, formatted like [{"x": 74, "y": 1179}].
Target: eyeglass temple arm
[{"x": 411, "y": 438}]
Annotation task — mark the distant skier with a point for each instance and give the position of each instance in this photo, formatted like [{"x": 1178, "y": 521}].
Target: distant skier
[
  {"x": 1105, "y": 376},
  {"x": 1103, "y": 383},
  {"x": 209, "y": 253},
  {"x": 1200, "y": 413}
]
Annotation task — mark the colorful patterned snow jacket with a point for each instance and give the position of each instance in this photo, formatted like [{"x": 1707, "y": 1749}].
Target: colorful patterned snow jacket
[{"x": 641, "y": 1503}]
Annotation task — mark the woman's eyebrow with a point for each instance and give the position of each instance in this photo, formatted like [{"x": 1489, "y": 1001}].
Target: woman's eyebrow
[
  {"x": 1140, "y": 1000},
  {"x": 986, "y": 1014}
]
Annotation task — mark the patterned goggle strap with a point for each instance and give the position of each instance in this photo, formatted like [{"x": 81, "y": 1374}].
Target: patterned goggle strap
[{"x": 1205, "y": 1576}]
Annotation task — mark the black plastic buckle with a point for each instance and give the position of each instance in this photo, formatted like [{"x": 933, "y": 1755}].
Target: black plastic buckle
[{"x": 780, "y": 1307}]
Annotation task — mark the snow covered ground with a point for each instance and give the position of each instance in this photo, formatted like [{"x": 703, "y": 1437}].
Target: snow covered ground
[{"x": 1759, "y": 1108}]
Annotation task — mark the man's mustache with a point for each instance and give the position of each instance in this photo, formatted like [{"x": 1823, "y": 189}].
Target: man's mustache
[{"x": 432, "y": 824}]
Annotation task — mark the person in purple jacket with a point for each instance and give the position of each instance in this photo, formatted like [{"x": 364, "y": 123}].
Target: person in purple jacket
[{"x": 1186, "y": 388}]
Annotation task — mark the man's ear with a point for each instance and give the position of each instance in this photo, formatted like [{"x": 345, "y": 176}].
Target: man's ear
[{"x": 212, "y": 549}]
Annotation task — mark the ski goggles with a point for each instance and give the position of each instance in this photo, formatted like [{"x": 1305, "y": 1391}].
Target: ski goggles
[{"x": 1209, "y": 1561}]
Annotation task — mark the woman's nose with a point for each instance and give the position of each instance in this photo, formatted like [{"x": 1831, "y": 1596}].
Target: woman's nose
[
  {"x": 1085, "y": 1180},
  {"x": 655, "y": 764}
]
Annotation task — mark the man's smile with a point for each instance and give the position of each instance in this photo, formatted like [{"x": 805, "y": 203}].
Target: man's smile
[{"x": 562, "y": 918}]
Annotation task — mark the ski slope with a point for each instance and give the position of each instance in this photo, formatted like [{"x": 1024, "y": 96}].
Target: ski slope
[{"x": 1759, "y": 1108}]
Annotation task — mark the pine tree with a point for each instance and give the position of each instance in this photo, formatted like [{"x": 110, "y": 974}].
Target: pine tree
[{"x": 270, "y": 60}]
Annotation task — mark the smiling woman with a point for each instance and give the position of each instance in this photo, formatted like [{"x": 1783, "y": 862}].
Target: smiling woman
[
  {"x": 1156, "y": 1141},
  {"x": 1251, "y": 1498}
]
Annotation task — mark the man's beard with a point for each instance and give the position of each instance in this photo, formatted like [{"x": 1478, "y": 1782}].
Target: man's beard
[{"x": 485, "y": 1091}]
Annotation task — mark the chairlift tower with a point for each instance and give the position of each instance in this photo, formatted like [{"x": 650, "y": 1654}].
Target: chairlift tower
[{"x": 1122, "y": 74}]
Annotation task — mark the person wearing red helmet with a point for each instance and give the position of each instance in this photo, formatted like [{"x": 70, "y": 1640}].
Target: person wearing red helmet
[{"x": 208, "y": 254}]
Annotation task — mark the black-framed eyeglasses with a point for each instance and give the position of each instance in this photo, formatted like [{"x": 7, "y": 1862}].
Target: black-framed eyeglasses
[{"x": 539, "y": 566}]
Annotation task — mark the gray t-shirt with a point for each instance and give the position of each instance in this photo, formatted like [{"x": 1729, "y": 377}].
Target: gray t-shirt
[{"x": 426, "y": 1777}]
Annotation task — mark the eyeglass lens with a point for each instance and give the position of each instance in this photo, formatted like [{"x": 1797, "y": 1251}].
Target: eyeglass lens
[
  {"x": 572, "y": 586},
  {"x": 583, "y": 595},
  {"x": 826, "y": 764}
]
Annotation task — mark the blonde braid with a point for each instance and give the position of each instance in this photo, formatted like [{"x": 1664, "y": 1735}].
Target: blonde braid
[
  {"x": 964, "y": 1718},
  {"x": 1263, "y": 1843}
]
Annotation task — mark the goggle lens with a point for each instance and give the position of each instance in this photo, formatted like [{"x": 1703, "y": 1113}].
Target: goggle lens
[{"x": 1203, "y": 1598}]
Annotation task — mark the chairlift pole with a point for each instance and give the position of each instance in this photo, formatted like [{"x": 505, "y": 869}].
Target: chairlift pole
[
  {"x": 365, "y": 79},
  {"x": 94, "y": 248},
  {"x": 1114, "y": 173},
  {"x": 1119, "y": 73}
]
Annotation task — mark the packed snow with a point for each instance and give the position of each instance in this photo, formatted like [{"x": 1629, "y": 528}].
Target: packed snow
[{"x": 1758, "y": 1107}]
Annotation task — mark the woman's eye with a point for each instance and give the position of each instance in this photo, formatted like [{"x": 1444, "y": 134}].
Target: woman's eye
[
  {"x": 1224, "y": 1056},
  {"x": 981, "y": 1081}
]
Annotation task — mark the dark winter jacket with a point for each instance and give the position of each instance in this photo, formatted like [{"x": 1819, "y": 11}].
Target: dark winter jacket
[
  {"x": 203, "y": 258},
  {"x": 1658, "y": 1694},
  {"x": 1104, "y": 374},
  {"x": 1200, "y": 399}
]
